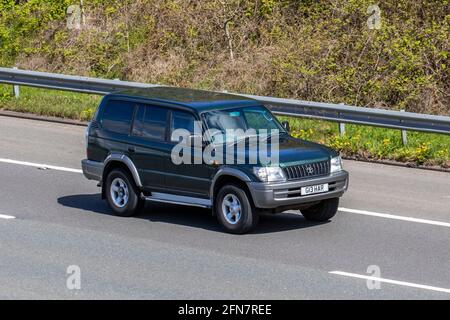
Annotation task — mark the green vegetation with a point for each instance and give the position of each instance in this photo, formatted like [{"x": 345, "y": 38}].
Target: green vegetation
[
  {"x": 49, "y": 102},
  {"x": 359, "y": 141},
  {"x": 312, "y": 50}
]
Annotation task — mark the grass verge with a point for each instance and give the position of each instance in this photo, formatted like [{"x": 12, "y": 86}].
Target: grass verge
[
  {"x": 63, "y": 104},
  {"x": 361, "y": 142}
]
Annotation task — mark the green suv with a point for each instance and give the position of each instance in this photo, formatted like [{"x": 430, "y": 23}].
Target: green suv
[{"x": 134, "y": 152}]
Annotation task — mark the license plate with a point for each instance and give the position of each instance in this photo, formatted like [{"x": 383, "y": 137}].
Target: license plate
[{"x": 314, "y": 189}]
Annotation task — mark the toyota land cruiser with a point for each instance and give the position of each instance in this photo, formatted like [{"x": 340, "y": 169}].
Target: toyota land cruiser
[{"x": 130, "y": 151}]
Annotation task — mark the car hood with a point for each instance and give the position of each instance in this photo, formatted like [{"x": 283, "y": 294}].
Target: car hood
[{"x": 292, "y": 151}]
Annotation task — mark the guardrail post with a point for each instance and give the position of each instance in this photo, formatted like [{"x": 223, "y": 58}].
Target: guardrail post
[
  {"x": 16, "y": 89},
  {"x": 341, "y": 128},
  {"x": 404, "y": 134}
]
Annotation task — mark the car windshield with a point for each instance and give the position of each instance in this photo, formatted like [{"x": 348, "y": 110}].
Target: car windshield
[{"x": 227, "y": 125}]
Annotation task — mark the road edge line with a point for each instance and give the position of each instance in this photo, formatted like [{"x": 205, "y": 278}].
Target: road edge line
[
  {"x": 40, "y": 165},
  {"x": 7, "y": 217},
  {"x": 390, "y": 281},
  {"x": 395, "y": 217}
]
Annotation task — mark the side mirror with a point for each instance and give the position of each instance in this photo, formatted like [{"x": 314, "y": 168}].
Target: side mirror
[{"x": 286, "y": 126}]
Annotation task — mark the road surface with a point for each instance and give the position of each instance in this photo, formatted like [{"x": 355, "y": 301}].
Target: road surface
[{"x": 390, "y": 240}]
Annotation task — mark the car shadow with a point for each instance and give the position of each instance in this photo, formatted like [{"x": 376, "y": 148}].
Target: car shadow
[{"x": 187, "y": 216}]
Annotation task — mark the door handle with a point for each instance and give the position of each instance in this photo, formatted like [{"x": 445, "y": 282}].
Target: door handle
[{"x": 131, "y": 149}]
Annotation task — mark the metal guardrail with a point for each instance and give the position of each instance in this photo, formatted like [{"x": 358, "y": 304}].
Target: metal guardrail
[
  {"x": 66, "y": 82},
  {"x": 357, "y": 115},
  {"x": 288, "y": 107}
]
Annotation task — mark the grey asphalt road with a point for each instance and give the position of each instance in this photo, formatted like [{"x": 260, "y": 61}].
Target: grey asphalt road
[{"x": 173, "y": 252}]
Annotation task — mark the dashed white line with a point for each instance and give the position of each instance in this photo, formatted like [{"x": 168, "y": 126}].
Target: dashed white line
[
  {"x": 355, "y": 211},
  {"x": 4, "y": 216},
  {"x": 395, "y": 217},
  {"x": 390, "y": 281},
  {"x": 40, "y": 165}
]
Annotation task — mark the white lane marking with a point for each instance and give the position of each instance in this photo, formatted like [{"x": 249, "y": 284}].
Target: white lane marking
[
  {"x": 362, "y": 212},
  {"x": 395, "y": 217},
  {"x": 400, "y": 283},
  {"x": 40, "y": 165},
  {"x": 4, "y": 216}
]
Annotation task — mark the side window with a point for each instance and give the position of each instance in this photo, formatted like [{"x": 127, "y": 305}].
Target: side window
[
  {"x": 138, "y": 120},
  {"x": 150, "y": 122},
  {"x": 117, "y": 116},
  {"x": 184, "y": 120}
]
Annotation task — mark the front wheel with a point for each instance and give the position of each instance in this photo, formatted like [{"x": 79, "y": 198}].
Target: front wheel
[
  {"x": 234, "y": 210},
  {"x": 323, "y": 211}
]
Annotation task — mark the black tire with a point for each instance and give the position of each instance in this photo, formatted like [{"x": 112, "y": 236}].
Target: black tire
[
  {"x": 134, "y": 203},
  {"x": 323, "y": 211},
  {"x": 248, "y": 214}
]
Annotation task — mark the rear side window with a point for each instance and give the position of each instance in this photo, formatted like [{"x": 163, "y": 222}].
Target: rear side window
[
  {"x": 117, "y": 116},
  {"x": 150, "y": 122}
]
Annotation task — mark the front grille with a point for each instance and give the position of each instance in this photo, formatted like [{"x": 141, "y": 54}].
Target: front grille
[{"x": 307, "y": 170}]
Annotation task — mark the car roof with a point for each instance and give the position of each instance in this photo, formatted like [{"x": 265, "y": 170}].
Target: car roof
[{"x": 198, "y": 100}]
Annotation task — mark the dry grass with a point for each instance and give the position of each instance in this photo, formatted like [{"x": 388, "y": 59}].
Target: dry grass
[{"x": 312, "y": 50}]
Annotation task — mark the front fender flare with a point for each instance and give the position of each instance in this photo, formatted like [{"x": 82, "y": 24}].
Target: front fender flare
[{"x": 226, "y": 171}]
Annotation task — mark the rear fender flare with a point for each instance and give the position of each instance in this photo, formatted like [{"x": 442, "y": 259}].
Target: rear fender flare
[{"x": 122, "y": 158}]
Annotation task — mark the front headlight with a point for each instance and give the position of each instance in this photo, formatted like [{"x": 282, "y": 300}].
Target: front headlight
[
  {"x": 336, "y": 164},
  {"x": 269, "y": 174}
]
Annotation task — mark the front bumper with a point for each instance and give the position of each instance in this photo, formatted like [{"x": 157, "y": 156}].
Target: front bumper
[
  {"x": 93, "y": 170},
  {"x": 273, "y": 195}
]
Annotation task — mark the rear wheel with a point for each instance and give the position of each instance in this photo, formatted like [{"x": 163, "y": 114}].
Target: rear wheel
[
  {"x": 323, "y": 211},
  {"x": 122, "y": 194},
  {"x": 234, "y": 210}
]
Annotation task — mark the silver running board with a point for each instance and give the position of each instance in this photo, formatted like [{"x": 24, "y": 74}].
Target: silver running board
[{"x": 176, "y": 199}]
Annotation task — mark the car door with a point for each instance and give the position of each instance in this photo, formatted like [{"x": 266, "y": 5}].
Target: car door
[
  {"x": 193, "y": 178},
  {"x": 150, "y": 149}
]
